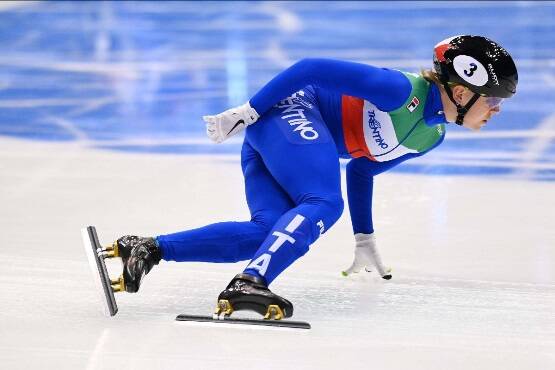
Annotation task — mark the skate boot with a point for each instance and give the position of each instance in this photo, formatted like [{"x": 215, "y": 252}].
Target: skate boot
[
  {"x": 138, "y": 255},
  {"x": 247, "y": 292}
]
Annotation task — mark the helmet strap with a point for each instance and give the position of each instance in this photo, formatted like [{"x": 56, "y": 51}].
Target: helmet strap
[{"x": 461, "y": 110}]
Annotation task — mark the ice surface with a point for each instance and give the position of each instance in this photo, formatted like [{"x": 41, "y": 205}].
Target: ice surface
[{"x": 473, "y": 271}]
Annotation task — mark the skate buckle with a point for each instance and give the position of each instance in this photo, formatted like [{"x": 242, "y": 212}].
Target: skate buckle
[
  {"x": 109, "y": 251},
  {"x": 118, "y": 285},
  {"x": 274, "y": 312},
  {"x": 223, "y": 309}
]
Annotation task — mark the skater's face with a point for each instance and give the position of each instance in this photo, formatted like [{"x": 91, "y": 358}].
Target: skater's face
[{"x": 480, "y": 113}]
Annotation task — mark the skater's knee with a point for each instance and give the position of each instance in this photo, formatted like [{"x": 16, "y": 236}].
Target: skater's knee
[
  {"x": 333, "y": 209},
  {"x": 266, "y": 219},
  {"x": 336, "y": 205},
  {"x": 323, "y": 212},
  {"x": 331, "y": 205}
]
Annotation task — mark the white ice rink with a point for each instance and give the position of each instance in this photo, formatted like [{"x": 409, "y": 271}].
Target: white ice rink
[{"x": 473, "y": 271}]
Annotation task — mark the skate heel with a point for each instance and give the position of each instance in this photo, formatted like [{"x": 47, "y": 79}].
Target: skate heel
[{"x": 274, "y": 313}]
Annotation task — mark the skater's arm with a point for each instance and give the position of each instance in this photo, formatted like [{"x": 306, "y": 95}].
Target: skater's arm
[
  {"x": 360, "y": 185},
  {"x": 387, "y": 89}
]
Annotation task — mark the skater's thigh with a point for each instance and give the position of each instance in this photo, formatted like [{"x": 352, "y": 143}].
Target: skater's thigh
[
  {"x": 297, "y": 149},
  {"x": 266, "y": 199}
]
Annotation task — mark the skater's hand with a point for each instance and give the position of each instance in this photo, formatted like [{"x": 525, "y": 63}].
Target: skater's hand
[
  {"x": 226, "y": 124},
  {"x": 367, "y": 257}
]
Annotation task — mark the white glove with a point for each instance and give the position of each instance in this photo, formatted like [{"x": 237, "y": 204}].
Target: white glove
[
  {"x": 228, "y": 123},
  {"x": 367, "y": 256}
]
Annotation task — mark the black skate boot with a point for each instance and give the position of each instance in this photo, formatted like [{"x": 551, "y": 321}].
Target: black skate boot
[
  {"x": 138, "y": 255},
  {"x": 247, "y": 292}
]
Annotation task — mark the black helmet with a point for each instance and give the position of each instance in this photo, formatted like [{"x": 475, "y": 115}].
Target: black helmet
[{"x": 478, "y": 63}]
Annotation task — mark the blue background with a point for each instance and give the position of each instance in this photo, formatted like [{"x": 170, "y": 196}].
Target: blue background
[{"x": 138, "y": 76}]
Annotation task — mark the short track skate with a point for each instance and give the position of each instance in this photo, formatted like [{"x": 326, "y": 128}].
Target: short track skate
[
  {"x": 96, "y": 254},
  {"x": 273, "y": 317},
  {"x": 249, "y": 293}
]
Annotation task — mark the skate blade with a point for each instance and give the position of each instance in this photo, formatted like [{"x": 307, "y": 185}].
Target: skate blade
[
  {"x": 244, "y": 321},
  {"x": 99, "y": 271},
  {"x": 274, "y": 313}
]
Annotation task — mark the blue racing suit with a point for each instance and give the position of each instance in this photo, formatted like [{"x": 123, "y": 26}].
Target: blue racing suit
[{"x": 312, "y": 114}]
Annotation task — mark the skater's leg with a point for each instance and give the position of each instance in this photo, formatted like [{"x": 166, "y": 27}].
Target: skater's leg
[
  {"x": 266, "y": 199},
  {"x": 299, "y": 152},
  {"x": 310, "y": 175},
  {"x": 233, "y": 241}
]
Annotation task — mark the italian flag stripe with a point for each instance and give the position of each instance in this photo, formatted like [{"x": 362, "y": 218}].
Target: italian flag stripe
[{"x": 353, "y": 130}]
